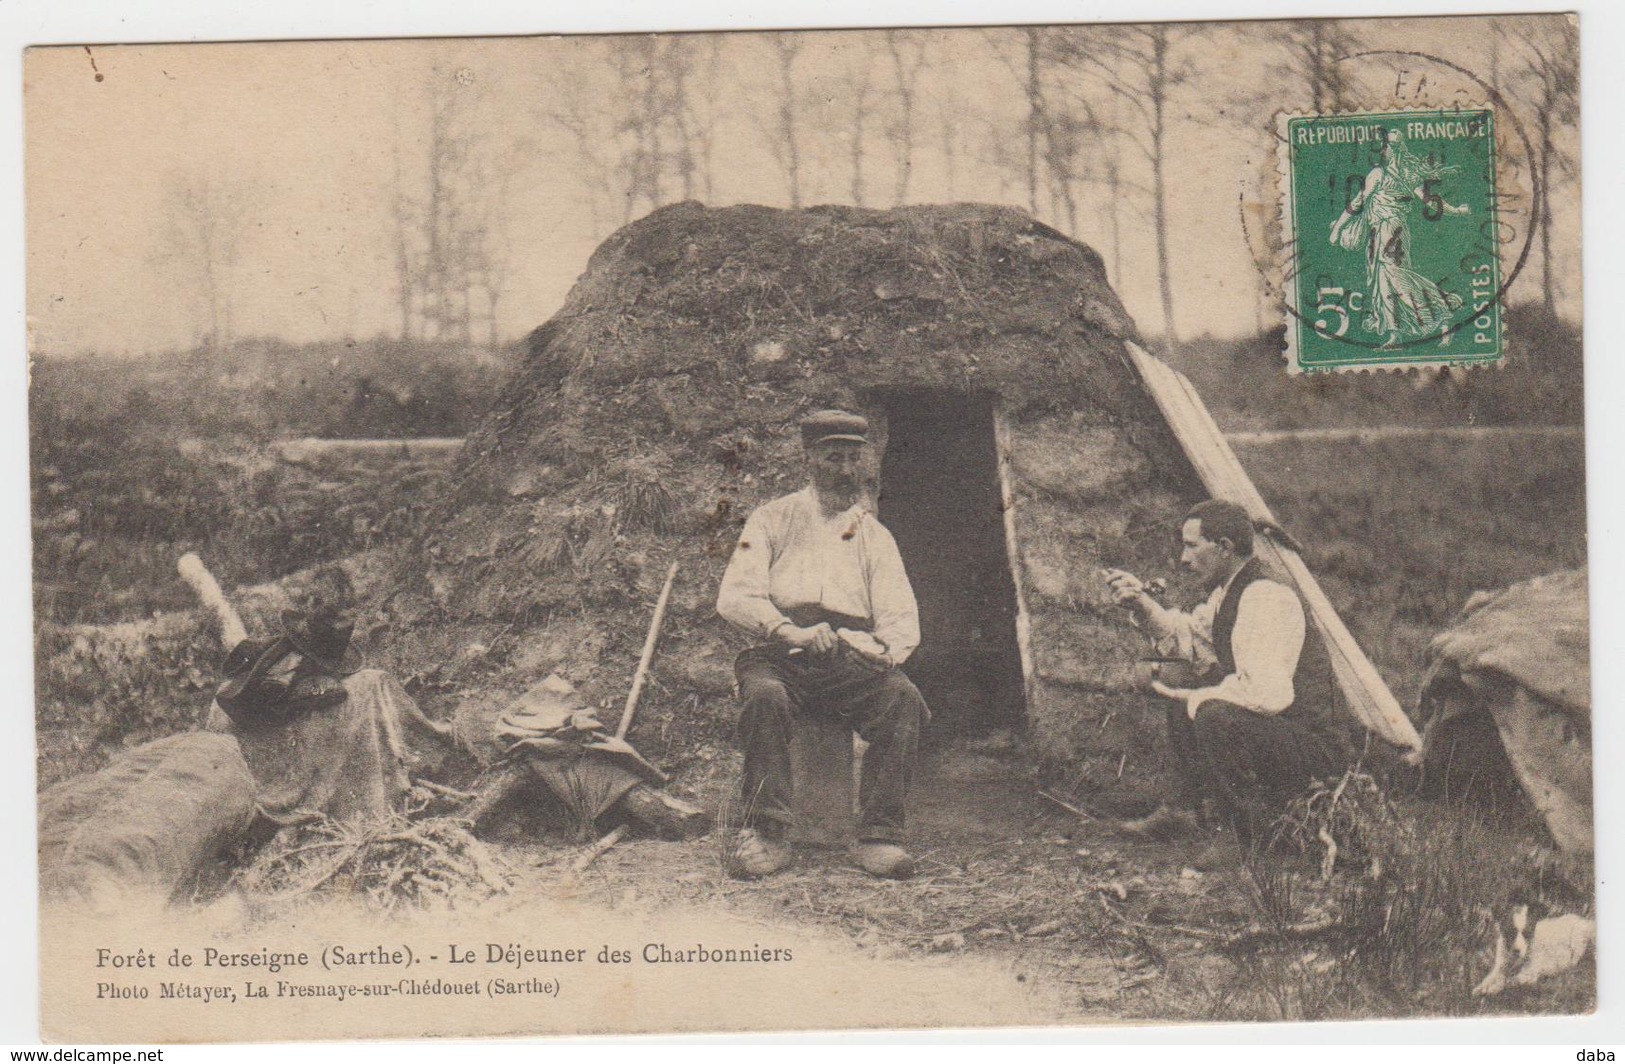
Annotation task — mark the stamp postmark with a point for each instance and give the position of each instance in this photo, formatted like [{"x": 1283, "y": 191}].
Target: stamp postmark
[{"x": 1391, "y": 221}]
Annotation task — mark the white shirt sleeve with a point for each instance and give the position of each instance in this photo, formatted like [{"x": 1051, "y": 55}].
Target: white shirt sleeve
[
  {"x": 1267, "y": 641},
  {"x": 891, "y": 598},
  {"x": 744, "y": 600}
]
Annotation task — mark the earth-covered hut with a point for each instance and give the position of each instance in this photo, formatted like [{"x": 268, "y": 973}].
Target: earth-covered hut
[{"x": 1020, "y": 451}]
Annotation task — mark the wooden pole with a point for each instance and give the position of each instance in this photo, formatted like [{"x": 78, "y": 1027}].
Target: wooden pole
[
  {"x": 198, "y": 577},
  {"x": 648, "y": 655}
]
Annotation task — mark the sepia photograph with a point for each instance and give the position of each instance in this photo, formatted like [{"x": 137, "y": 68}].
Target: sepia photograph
[{"x": 992, "y": 526}]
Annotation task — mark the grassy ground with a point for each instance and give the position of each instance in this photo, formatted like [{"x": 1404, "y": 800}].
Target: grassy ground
[
  {"x": 1402, "y": 531},
  {"x": 113, "y": 513}
]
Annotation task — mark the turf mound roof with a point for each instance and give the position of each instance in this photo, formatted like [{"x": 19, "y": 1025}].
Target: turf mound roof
[{"x": 657, "y": 408}]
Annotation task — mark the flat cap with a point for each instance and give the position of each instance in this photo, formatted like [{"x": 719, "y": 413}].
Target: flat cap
[{"x": 827, "y": 425}]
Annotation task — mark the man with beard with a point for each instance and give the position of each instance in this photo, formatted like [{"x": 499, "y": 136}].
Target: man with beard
[
  {"x": 1237, "y": 733},
  {"x": 820, "y": 579}
]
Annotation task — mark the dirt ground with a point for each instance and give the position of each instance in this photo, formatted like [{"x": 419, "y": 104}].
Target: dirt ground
[
  {"x": 1101, "y": 929},
  {"x": 1113, "y": 930}
]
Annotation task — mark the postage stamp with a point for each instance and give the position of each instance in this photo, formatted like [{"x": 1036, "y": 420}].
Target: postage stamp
[{"x": 1390, "y": 223}]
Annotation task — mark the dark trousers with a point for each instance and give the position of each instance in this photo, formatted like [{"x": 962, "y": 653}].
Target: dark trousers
[
  {"x": 1253, "y": 765},
  {"x": 882, "y": 706}
]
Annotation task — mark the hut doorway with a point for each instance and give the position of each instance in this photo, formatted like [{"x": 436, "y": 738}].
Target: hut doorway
[{"x": 941, "y": 497}]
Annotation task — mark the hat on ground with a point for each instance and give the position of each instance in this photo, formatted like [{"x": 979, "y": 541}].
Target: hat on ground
[
  {"x": 246, "y": 692},
  {"x": 323, "y": 636},
  {"x": 833, "y": 425}
]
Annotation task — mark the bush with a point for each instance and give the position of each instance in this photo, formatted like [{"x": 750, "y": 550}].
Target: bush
[{"x": 1399, "y": 914}]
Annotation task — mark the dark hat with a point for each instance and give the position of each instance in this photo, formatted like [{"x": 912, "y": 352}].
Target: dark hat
[
  {"x": 243, "y": 656},
  {"x": 253, "y": 699},
  {"x": 323, "y": 636},
  {"x": 833, "y": 425},
  {"x": 243, "y": 692}
]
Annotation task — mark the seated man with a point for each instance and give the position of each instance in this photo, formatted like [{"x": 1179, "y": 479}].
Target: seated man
[
  {"x": 1238, "y": 735},
  {"x": 818, "y": 577}
]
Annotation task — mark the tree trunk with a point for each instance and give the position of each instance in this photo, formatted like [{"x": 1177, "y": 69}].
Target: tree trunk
[
  {"x": 905, "y": 118},
  {"x": 1114, "y": 191},
  {"x": 1548, "y": 296},
  {"x": 787, "y": 119},
  {"x": 1035, "y": 107},
  {"x": 1159, "y": 93}
]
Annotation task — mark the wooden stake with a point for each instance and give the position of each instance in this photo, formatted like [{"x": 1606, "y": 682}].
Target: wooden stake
[{"x": 648, "y": 655}]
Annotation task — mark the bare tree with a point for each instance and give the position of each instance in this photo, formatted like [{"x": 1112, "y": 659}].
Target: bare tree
[
  {"x": 697, "y": 67},
  {"x": 451, "y": 259},
  {"x": 1142, "y": 66},
  {"x": 207, "y": 219},
  {"x": 1036, "y": 112},
  {"x": 1546, "y": 53},
  {"x": 950, "y": 119},
  {"x": 907, "y": 52},
  {"x": 859, "y": 85},
  {"x": 784, "y": 139},
  {"x": 639, "y": 116},
  {"x": 1315, "y": 49},
  {"x": 573, "y": 100},
  {"x": 1029, "y": 66},
  {"x": 404, "y": 224},
  {"x": 1116, "y": 182}
]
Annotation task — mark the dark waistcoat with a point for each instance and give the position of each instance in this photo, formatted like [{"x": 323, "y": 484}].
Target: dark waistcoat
[{"x": 1315, "y": 696}]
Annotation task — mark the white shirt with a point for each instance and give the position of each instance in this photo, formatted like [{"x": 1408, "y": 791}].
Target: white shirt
[
  {"x": 1267, "y": 640},
  {"x": 790, "y": 556}
]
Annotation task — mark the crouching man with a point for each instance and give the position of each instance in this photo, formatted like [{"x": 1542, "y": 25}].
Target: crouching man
[
  {"x": 819, "y": 580},
  {"x": 1236, "y": 734}
]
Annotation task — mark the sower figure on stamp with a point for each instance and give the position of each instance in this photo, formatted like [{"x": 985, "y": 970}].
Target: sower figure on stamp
[
  {"x": 820, "y": 580},
  {"x": 1237, "y": 734}
]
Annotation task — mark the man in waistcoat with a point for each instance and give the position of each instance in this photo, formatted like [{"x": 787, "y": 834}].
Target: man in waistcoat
[
  {"x": 1237, "y": 733},
  {"x": 818, "y": 580}
]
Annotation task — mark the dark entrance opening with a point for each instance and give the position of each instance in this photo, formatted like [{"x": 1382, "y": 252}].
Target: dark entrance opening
[{"x": 941, "y": 497}]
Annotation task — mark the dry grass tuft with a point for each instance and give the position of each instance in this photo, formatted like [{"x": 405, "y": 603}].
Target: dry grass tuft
[
  {"x": 1400, "y": 918},
  {"x": 430, "y": 864},
  {"x": 637, "y": 490}
]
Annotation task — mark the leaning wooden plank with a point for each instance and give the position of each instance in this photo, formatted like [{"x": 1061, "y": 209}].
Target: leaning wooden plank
[{"x": 1222, "y": 474}]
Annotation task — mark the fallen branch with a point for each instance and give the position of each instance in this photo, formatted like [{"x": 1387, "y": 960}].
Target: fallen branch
[
  {"x": 1256, "y": 935},
  {"x": 600, "y": 847},
  {"x": 444, "y": 791},
  {"x": 207, "y": 589},
  {"x": 1068, "y": 806}
]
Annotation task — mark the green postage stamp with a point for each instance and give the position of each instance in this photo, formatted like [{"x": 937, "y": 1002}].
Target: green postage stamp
[{"x": 1392, "y": 243}]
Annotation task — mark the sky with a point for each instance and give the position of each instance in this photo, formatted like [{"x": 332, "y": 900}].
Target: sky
[{"x": 308, "y": 139}]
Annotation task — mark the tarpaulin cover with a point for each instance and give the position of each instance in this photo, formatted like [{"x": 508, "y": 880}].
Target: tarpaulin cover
[
  {"x": 560, "y": 740},
  {"x": 1523, "y": 656},
  {"x": 1536, "y": 634},
  {"x": 347, "y": 762},
  {"x": 148, "y": 823}
]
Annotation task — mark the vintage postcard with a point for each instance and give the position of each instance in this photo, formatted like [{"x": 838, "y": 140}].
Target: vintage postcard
[{"x": 773, "y": 531}]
